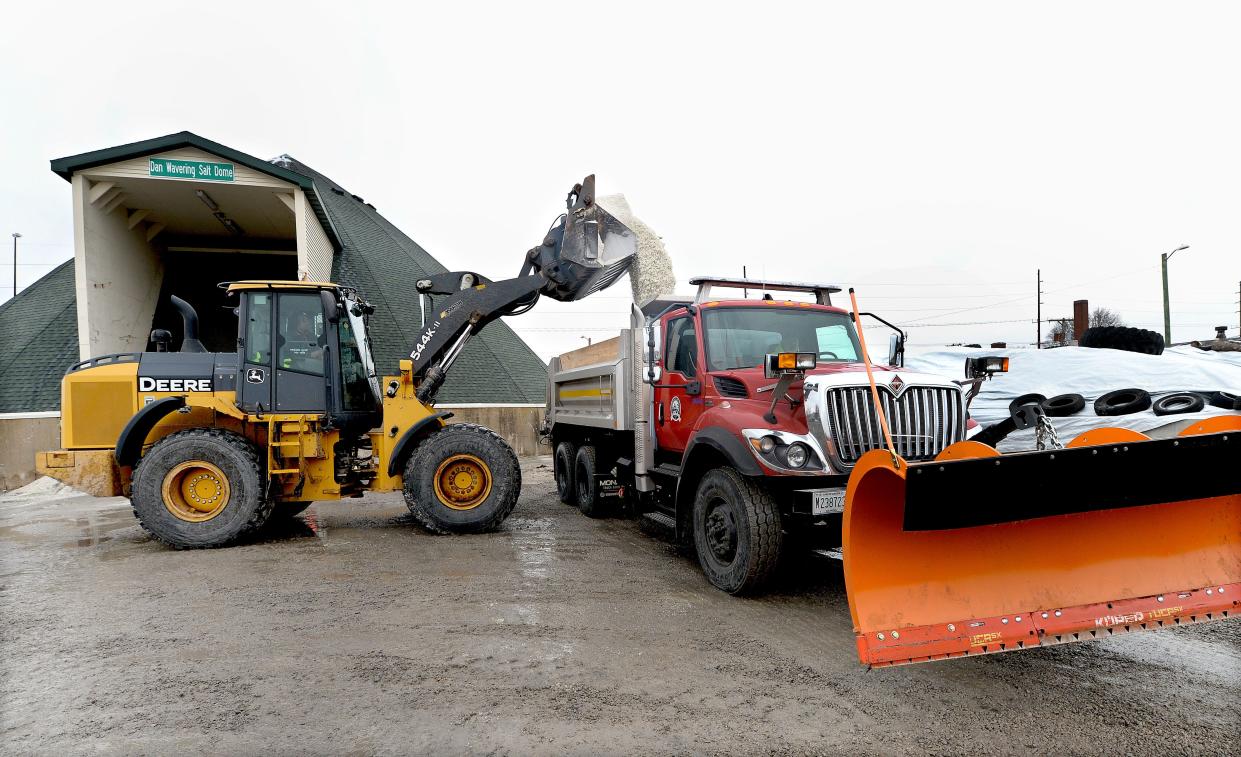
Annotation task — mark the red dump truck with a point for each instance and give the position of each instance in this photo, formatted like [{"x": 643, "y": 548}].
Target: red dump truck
[
  {"x": 735, "y": 422},
  {"x": 749, "y": 426}
]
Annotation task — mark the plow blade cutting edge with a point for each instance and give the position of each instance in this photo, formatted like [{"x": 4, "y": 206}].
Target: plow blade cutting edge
[{"x": 978, "y": 552}]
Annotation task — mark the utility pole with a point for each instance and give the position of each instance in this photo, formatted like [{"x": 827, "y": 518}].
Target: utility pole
[
  {"x": 1167, "y": 314},
  {"x": 16, "y": 237},
  {"x": 1038, "y": 323}
]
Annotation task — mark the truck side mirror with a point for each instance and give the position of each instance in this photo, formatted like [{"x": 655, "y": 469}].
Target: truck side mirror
[{"x": 896, "y": 350}]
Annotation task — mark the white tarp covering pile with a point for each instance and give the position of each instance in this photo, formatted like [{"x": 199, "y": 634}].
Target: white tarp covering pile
[{"x": 1090, "y": 373}]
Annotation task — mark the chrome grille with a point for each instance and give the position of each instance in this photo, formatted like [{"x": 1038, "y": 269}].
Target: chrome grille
[{"x": 923, "y": 421}]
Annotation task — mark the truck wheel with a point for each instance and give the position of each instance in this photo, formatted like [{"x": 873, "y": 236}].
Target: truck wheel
[
  {"x": 562, "y": 466},
  {"x": 737, "y": 531},
  {"x": 585, "y": 468},
  {"x": 202, "y": 487},
  {"x": 462, "y": 479}
]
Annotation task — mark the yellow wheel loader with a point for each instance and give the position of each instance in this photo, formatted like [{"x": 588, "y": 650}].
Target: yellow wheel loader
[{"x": 208, "y": 445}]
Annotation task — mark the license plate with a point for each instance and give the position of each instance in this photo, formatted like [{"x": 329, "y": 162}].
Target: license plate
[{"x": 828, "y": 501}]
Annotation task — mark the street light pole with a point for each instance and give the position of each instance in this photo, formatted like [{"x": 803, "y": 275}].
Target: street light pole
[
  {"x": 1167, "y": 314},
  {"x": 16, "y": 237}
]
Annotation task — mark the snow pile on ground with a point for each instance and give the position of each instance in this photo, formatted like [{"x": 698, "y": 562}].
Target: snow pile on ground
[
  {"x": 40, "y": 489},
  {"x": 1090, "y": 373}
]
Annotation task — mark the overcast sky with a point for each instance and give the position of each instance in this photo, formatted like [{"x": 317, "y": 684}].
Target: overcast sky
[{"x": 934, "y": 155}]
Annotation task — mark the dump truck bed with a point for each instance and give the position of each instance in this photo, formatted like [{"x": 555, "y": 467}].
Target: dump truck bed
[{"x": 595, "y": 385}]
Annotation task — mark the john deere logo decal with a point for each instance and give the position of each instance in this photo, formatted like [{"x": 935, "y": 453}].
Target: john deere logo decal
[
  {"x": 255, "y": 375},
  {"x": 674, "y": 410}
]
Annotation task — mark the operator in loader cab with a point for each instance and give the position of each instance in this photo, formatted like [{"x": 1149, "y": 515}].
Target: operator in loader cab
[{"x": 301, "y": 335}]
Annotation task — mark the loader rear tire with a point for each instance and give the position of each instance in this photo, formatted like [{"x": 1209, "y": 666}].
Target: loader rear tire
[
  {"x": 200, "y": 488},
  {"x": 462, "y": 479},
  {"x": 586, "y": 486},
  {"x": 737, "y": 531},
  {"x": 562, "y": 467}
]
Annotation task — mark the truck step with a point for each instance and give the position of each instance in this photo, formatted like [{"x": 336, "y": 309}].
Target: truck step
[
  {"x": 835, "y": 554},
  {"x": 664, "y": 520},
  {"x": 667, "y": 469}
]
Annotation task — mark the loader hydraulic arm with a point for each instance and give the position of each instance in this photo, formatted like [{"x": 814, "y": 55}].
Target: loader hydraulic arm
[{"x": 586, "y": 250}]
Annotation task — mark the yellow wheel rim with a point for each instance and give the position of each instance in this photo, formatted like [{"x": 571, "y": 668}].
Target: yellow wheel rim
[
  {"x": 195, "y": 491},
  {"x": 462, "y": 482}
]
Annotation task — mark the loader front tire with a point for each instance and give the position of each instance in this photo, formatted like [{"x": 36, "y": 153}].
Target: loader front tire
[
  {"x": 737, "y": 531},
  {"x": 462, "y": 479},
  {"x": 200, "y": 488},
  {"x": 562, "y": 466}
]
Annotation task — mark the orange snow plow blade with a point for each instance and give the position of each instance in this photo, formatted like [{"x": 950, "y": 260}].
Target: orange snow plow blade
[{"x": 978, "y": 552}]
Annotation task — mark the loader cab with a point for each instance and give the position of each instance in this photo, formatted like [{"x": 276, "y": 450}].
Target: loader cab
[{"x": 303, "y": 348}]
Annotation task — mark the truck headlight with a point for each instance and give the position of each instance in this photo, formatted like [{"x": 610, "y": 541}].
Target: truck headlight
[
  {"x": 767, "y": 444},
  {"x": 797, "y": 455}
]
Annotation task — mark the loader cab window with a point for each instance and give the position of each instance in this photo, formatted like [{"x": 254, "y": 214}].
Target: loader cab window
[
  {"x": 357, "y": 368},
  {"x": 300, "y": 339},
  {"x": 258, "y": 329}
]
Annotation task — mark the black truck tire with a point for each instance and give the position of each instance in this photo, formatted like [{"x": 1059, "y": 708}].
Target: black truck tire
[
  {"x": 1178, "y": 403},
  {"x": 200, "y": 488},
  {"x": 1226, "y": 400},
  {"x": 461, "y": 479},
  {"x": 585, "y": 485},
  {"x": 1063, "y": 405},
  {"x": 737, "y": 531},
  {"x": 562, "y": 467},
  {"x": 1123, "y": 338},
  {"x": 1122, "y": 402},
  {"x": 1033, "y": 398}
]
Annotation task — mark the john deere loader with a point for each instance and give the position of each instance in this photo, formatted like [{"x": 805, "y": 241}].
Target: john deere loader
[{"x": 208, "y": 445}]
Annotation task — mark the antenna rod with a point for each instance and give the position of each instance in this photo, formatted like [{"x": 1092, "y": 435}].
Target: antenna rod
[{"x": 874, "y": 390}]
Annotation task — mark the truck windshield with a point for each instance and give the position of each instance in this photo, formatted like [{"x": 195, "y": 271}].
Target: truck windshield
[{"x": 740, "y": 337}]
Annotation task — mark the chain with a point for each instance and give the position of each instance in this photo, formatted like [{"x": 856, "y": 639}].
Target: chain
[{"x": 1045, "y": 434}]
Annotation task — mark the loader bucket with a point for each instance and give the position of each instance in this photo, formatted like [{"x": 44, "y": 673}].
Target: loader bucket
[
  {"x": 595, "y": 250},
  {"x": 978, "y": 552}
]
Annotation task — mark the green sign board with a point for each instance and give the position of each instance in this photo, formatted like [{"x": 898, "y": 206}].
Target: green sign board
[{"x": 167, "y": 168}]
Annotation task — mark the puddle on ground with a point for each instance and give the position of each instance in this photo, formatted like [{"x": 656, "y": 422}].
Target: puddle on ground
[{"x": 86, "y": 530}]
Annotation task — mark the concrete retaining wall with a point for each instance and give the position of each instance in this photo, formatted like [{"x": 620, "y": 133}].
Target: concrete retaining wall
[
  {"x": 518, "y": 425},
  {"x": 24, "y": 434},
  {"x": 21, "y": 436}
]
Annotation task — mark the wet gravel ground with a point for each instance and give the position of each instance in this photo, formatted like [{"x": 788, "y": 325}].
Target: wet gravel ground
[{"x": 351, "y": 631}]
